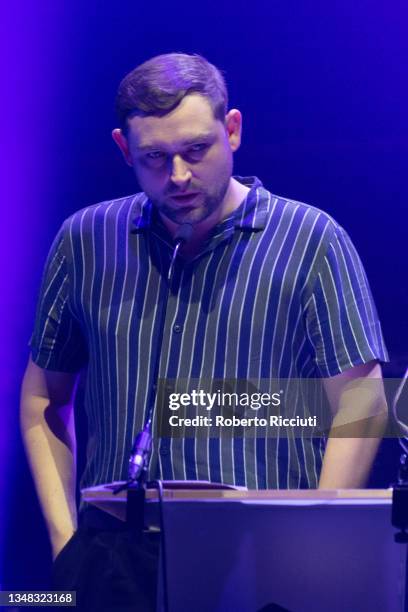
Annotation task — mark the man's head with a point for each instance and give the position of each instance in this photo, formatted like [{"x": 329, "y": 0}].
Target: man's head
[
  {"x": 176, "y": 133},
  {"x": 157, "y": 86}
]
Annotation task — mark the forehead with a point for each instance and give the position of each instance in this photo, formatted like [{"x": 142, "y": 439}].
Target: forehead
[{"x": 192, "y": 117}]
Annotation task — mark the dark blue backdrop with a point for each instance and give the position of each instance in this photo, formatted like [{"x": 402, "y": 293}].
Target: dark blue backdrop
[{"x": 323, "y": 91}]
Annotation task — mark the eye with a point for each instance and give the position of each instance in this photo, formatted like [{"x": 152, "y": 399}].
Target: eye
[
  {"x": 154, "y": 159},
  {"x": 196, "y": 148},
  {"x": 155, "y": 155},
  {"x": 196, "y": 152}
]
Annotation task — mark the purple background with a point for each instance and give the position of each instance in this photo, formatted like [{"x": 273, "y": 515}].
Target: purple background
[{"x": 323, "y": 91}]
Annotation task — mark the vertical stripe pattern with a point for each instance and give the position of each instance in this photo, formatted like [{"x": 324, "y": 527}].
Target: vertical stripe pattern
[{"x": 278, "y": 291}]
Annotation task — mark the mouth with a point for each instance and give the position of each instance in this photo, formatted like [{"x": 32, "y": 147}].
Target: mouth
[{"x": 184, "y": 198}]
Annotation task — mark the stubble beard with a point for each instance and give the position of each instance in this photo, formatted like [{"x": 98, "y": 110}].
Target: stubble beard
[{"x": 196, "y": 215}]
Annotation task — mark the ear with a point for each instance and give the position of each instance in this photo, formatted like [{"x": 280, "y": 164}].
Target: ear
[
  {"x": 122, "y": 142},
  {"x": 233, "y": 125}
]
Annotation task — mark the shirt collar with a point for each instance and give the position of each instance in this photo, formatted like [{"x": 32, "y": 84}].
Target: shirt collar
[
  {"x": 253, "y": 211},
  {"x": 142, "y": 213},
  {"x": 250, "y": 215}
]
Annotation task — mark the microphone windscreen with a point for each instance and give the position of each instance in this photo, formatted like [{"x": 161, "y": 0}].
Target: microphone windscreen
[{"x": 183, "y": 233}]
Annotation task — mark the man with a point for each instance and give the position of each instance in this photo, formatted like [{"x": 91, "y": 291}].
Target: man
[{"x": 264, "y": 288}]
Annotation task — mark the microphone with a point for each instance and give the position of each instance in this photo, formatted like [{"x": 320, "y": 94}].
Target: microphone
[
  {"x": 183, "y": 233},
  {"x": 140, "y": 455}
]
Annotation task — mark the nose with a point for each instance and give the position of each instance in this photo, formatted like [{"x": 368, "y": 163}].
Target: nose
[{"x": 180, "y": 172}]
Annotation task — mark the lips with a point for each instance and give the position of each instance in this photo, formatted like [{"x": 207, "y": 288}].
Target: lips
[
  {"x": 184, "y": 198},
  {"x": 185, "y": 195}
]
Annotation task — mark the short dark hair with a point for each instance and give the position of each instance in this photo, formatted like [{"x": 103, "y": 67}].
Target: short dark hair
[{"x": 157, "y": 86}]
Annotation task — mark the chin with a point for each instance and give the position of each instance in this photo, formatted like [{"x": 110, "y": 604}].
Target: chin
[{"x": 193, "y": 217}]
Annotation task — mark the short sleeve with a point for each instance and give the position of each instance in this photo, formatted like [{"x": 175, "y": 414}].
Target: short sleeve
[
  {"x": 341, "y": 317},
  {"x": 57, "y": 342}
]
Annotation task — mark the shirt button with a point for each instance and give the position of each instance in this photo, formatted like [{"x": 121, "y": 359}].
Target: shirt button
[{"x": 177, "y": 328}]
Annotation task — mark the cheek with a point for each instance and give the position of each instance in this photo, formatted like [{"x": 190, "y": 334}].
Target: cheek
[
  {"x": 216, "y": 162},
  {"x": 221, "y": 166},
  {"x": 149, "y": 181},
  {"x": 222, "y": 157}
]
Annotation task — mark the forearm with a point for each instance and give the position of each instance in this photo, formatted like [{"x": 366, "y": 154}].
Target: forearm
[
  {"x": 348, "y": 460},
  {"x": 360, "y": 414},
  {"x": 49, "y": 438},
  {"x": 347, "y": 463}
]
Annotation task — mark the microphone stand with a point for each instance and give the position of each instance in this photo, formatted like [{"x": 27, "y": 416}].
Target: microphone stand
[
  {"x": 142, "y": 446},
  {"x": 399, "y": 513}
]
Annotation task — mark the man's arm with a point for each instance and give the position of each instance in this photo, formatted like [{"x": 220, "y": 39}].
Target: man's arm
[
  {"x": 47, "y": 425},
  {"x": 359, "y": 406}
]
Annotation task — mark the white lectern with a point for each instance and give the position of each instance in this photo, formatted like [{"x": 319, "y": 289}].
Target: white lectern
[{"x": 305, "y": 551}]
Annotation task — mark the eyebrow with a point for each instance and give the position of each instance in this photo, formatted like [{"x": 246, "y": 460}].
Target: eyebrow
[{"x": 185, "y": 142}]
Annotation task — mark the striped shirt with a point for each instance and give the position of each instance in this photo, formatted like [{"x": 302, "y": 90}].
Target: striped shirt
[{"x": 277, "y": 291}]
